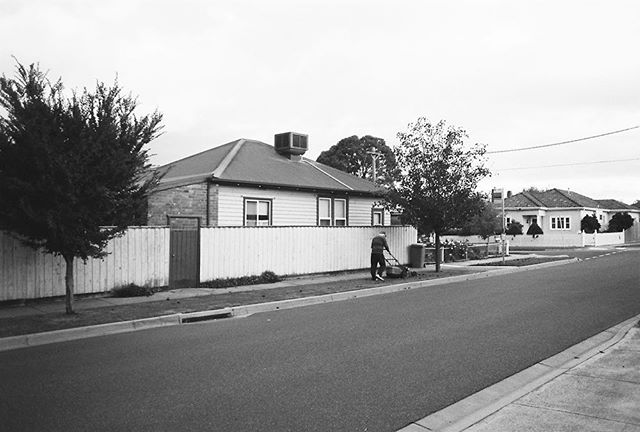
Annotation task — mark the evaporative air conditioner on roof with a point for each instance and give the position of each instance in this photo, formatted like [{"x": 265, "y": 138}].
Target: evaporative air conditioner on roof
[{"x": 291, "y": 143}]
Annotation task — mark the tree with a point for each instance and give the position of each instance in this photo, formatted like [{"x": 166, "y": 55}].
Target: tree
[
  {"x": 351, "y": 155},
  {"x": 514, "y": 228},
  {"x": 438, "y": 178},
  {"x": 73, "y": 170},
  {"x": 485, "y": 224},
  {"x": 620, "y": 222},
  {"x": 590, "y": 224}
]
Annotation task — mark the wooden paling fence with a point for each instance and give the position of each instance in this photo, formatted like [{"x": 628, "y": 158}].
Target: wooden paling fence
[{"x": 142, "y": 256}]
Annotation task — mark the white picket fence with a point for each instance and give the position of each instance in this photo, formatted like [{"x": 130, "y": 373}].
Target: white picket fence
[
  {"x": 141, "y": 256},
  {"x": 560, "y": 240}
]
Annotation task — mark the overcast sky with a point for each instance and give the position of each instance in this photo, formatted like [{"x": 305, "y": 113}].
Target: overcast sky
[{"x": 514, "y": 74}]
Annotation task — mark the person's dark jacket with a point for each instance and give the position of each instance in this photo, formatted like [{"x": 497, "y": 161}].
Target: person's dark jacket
[{"x": 379, "y": 244}]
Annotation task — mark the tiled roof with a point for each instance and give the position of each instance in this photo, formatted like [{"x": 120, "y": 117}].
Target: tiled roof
[
  {"x": 553, "y": 198},
  {"x": 255, "y": 162},
  {"x": 612, "y": 204}
]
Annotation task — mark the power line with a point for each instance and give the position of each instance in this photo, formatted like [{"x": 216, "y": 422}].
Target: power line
[
  {"x": 570, "y": 164},
  {"x": 563, "y": 142}
]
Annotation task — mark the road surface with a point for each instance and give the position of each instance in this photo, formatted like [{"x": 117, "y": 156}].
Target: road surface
[{"x": 371, "y": 364}]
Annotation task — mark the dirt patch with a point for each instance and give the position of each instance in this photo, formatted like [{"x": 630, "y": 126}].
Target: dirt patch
[{"x": 101, "y": 315}]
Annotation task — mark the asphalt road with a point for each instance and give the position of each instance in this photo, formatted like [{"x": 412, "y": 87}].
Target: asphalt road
[{"x": 372, "y": 364}]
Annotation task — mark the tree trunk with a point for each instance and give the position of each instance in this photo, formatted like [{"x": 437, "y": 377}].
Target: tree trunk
[
  {"x": 68, "y": 279},
  {"x": 438, "y": 246}
]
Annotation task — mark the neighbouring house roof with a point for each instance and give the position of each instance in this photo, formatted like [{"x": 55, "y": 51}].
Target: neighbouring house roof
[
  {"x": 558, "y": 198},
  {"x": 253, "y": 162},
  {"x": 612, "y": 204}
]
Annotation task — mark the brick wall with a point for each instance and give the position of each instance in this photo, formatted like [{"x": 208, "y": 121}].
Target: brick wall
[{"x": 189, "y": 200}]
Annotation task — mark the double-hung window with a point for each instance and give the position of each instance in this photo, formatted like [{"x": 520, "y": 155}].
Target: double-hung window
[
  {"x": 257, "y": 212},
  {"x": 560, "y": 223},
  {"x": 340, "y": 212},
  {"x": 332, "y": 211},
  {"x": 377, "y": 217}
]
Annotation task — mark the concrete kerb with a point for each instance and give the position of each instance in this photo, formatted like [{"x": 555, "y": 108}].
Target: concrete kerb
[
  {"x": 22, "y": 341},
  {"x": 469, "y": 411},
  {"x": 64, "y": 335}
]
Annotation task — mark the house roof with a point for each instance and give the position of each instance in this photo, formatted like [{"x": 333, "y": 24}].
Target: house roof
[
  {"x": 612, "y": 204},
  {"x": 558, "y": 198},
  {"x": 253, "y": 162}
]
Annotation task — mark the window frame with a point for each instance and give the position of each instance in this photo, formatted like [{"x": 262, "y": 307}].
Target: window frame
[
  {"x": 374, "y": 211},
  {"x": 269, "y": 202},
  {"x": 560, "y": 223},
  {"x": 346, "y": 213},
  {"x": 332, "y": 220}
]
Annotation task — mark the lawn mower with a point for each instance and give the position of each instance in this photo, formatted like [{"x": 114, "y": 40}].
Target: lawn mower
[{"x": 394, "y": 268}]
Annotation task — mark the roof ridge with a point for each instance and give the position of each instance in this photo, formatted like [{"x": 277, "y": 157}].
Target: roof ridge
[
  {"x": 308, "y": 162},
  {"x": 196, "y": 154},
  {"x": 566, "y": 195},
  {"x": 219, "y": 170},
  {"x": 533, "y": 199}
]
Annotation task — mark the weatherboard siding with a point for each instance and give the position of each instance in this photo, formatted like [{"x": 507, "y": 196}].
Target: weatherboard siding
[{"x": 289, "y": 208}]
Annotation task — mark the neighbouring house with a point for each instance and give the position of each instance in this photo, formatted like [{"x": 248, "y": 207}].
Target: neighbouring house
[
  {"x": 251, "y": 183},
  {"x": 559, "y": 211}
]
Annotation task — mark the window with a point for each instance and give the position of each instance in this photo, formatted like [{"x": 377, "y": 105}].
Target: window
[
  {"x": 324, "y": 211},
  {"x": 257, "y": 212},
  {"x": 340, "y": 212},
  {"x": 377, "y": 217},
  {"x": 332, "y": 211},
  {"x": 561, "y": 223}
]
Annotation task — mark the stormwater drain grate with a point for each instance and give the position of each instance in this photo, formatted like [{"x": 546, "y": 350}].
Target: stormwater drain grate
[{"x": 205, "y": 316}]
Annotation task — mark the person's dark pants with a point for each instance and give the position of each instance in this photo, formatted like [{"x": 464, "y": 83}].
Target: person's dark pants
[{"x": 377, "y": 258}]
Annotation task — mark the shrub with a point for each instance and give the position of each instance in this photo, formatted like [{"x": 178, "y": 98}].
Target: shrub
[
  {"x": 534, "y": 230},
  {"x": 514, "y": 228},
  {"x": 266, "y": 277},
  {"x": 589, "y": 224},
  {"x": 620, "y": 222},
  {"x": 133, "y": 290}
]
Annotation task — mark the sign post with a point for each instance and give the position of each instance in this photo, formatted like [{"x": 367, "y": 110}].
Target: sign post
[{"x": 498, "y": 194}]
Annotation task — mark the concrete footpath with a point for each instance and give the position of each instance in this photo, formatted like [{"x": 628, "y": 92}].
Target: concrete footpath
[{"x": 592, "y": 386}]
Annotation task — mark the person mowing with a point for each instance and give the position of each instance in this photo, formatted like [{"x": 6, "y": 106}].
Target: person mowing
[{"x": 378, "y": 246}]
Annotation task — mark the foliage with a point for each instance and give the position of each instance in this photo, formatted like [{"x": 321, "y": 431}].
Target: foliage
[
  {"x": 438, "y": 178},
  {"x": 514, "y": 228},
  {"x": 351, "y": 155},
  {"x": 485, "y": 224},
  {"x": 69, "y": 166},
  {"x": 620, "y": 222},
  {"x": 266, "y": 277},
  {"x": 532, "y": 189},
  {"x": 133, "y": 290},
  {"x": 589, "y": 224},
  {"x": 534, "y": 229}
]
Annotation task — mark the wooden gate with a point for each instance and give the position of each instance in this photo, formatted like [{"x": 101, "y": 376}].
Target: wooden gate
[{"x": 184, "y": 250}]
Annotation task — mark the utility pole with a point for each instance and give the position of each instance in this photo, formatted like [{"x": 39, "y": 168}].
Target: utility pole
[{"x": 374, "y": 158}]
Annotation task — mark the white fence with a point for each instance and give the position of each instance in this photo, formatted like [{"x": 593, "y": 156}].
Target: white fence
[
  {"x": 561, "y": 240},
  {"x": 140, "y": 256},
  {"x": 238, "y": 251}
]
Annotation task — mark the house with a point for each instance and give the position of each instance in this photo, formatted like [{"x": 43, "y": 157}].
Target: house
[
  {"x": 251, "y": 183},
  {"x": 559, "y": 211}
]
